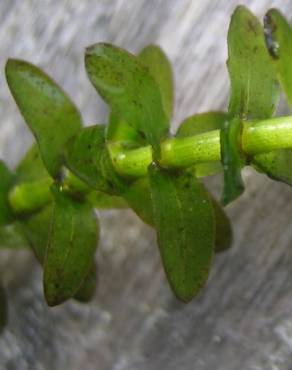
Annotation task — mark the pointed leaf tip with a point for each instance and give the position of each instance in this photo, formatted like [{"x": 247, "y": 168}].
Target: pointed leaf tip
[
  {"x": 47, "y": 110},
  {"x": 185, "y": 226},
  {"x": 72, "y": 243},
  {"x": 153, "y": 57},
  {"x": 254, "y": 88},
  {"x": 118, "y": 75}
]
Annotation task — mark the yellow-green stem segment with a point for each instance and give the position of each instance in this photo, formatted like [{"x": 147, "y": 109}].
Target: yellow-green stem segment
[{"x": 257, "y": 137}]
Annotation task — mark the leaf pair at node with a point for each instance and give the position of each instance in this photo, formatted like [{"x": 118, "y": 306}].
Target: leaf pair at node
[
  {"x": 173, "y": 201},
  {"x": 257, "y": 59},
  {"x": 63, "y": 230},
  {"x": 48, "y": 201}
]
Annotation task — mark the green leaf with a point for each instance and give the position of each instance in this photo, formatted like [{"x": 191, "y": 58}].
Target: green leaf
[
  {"x": 47, "y": 110},
  {"x": 159, "y": 66},
  {"x": 3, "y": 309},
  {"x": 276, "y": 164},
  {"x": 254, "y": 93},
  {"x": 232, "y": 159},
  {"x": 184, "y": 222},
  {"x": 88, "y": 288},
  {"x": 102, "y": 200},
  {"x": 28, "y": 172},
  {"x": 32, "y": 183},
  {"x": 199, "y": 124},
  {"x": 31, "y": 167},
  {"x": 36, "y": 229},
  {"x": 139, "y": 199},
  {"x": 86, "y": 155},
  {"x": 133, "y": 95},
  {"x": 71, "y": 247},
  {"x": 278, "y": 33},
  {"x": 254, "y": 87},
  {"x": 6, "y": 182}
]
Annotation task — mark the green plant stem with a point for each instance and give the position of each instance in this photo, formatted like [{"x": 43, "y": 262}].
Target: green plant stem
[
  {"x": 257, "y": 137},
  {"x": 30, "y": 196}
]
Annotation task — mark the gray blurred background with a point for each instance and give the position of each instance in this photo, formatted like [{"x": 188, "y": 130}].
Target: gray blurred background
[{"x": 243, "y": 318}]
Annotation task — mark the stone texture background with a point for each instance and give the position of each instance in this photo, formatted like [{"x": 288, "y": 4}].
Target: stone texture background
[{"x": 243, "y": 318}]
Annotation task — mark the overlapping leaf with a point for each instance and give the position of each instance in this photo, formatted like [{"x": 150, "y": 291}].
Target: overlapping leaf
[
  {"x": 254, "y": 87},
  {"x": 29, "y": 172},
  {"x": 278, "y": 33},
  {"x": 32, "y": 174},
  {"x": 34, "y": 182},
  {"x": 232, "y": 160},
  {"x": 47, "y": 110},
  {"x": 86, "y": 155},
  {"x": 254, "y": 91},
  {"x": 6, "y": 182},
  {"x": 87, "y": 290},
  {"x": 102, "y": 200},
  {"x": 72, "y": 243},
  {"x": 160, "y": 68},
  {"x": 36, "y": 229},
  {"x": 31, "y": 167},
  {"x": 133, "y": 95},
  {"x": 139, "y": 199},
  {"x": 184, "y": 221},
  {"x": 277, "y": 164}
]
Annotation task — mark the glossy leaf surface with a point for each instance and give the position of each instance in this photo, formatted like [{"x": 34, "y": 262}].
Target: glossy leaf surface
[
  {"x": 199, "y": 124},
  {"x": 6, "y": 182},
  {"x": 153, "y": 57},
  {"x": 254, "y": 87},
  {"x": 278, "y": 33},
  {"x": 31, "y": 167},
  {"x": 133, "y": 95},
  {"x": 36, "y": 229},
  {"x": 87, "y": 157},
  {"x": 232, "y": 160},
  {"x": 102, "y": 200},
  {"x": 185, "y": 227},
  {"x": 254, "y": 92},
  {"x": 276, "y": 164},
  {"x": 139, "y": 199},
  {"x": 88, "y": 288},
  {"x": 72, "y": 243},
  {"x": 47, "y": 110}
]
